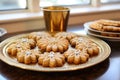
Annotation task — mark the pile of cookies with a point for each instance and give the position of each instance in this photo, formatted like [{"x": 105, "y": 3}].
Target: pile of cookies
[
  {"x": 106, "y": 27},
  {"x": 52, "y": 50}
]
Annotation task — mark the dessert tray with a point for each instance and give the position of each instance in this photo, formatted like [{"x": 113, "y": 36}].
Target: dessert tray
[
  {"x": 104, "y": 52},
  {"x": 109, "y": 36}
]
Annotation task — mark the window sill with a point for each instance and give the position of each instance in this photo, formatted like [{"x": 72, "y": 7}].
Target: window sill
[
  {"x": 74, "y": 11},
  {"x": 78, "y": 15}
]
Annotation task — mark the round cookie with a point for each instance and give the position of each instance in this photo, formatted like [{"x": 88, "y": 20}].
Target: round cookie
[
  {"x": 38, "y": 35},
  {"x": 53, "y": 44},
  {"x": 78, "y": 40},
  {"x": 26, "y": 41},
  {"x": 91, "y": 48},
  {"x": 66, "y": 35},
  {"x": 28, "y": 56},
  {"x": 74, "y": 56},
  {"x": 51, "y": 59},
  {"x": 81, "y": 43},
  {"x": 14, "y": 48}
]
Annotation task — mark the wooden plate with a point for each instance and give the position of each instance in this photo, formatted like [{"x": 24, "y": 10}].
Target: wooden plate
[{"x": 104, "y": 53}]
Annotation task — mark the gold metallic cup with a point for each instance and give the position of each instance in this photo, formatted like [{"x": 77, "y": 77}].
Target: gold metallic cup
[{"x": 56, "y": 18}]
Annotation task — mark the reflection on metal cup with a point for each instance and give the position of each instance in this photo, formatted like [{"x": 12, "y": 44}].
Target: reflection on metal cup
[{"x": 56, "y": 18}]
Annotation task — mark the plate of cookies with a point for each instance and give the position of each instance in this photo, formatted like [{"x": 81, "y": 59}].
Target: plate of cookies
[
  {"x": 63, "y": 51},
  {"x": 105, "y": 29}
]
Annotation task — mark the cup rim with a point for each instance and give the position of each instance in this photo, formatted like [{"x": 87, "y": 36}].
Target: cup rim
[{"x": 47, "y": 8}]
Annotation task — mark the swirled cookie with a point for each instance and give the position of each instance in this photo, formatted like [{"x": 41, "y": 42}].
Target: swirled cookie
[
  {"x": 53, "y": 44},
  {"x": 74, "y": 56},
  {"x": 14, "y": 48},
  {"x": 78, "y": 40},
  {"x": 51, "y": 59},
  {"x": 26, "y": 41},
  {"x": 91, "y": 48},
  {"x": 27, "y": 56},
  {"x": 66, "y": 35},
  {"x": 85, "y": 43},
  {"x": 38, "y": 35}
]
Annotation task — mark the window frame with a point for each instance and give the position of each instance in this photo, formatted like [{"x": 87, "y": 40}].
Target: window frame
[
  {"x": 33, "y": 6},
  {"x": 111, "y": 2},
  {"x": 74, "y": 5}
]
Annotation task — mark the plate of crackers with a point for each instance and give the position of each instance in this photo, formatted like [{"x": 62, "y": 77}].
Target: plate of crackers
[
  {"x": 104, "y": 29},
  {"x": 63, "y": 51}
]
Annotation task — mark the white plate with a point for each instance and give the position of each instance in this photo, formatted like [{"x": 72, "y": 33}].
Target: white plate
[
  {"x": 86, "y": 25},
  {"x": 103, "y": 37},
  {"x": 97, "y": 33}
]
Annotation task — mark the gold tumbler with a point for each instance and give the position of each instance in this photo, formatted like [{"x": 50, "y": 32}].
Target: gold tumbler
[{"x": 56, "y": 18}]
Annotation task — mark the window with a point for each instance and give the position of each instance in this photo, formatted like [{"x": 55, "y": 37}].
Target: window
[
  {"x": 28, "y": 15},
  {"x": 110, "y": 1},
  {"x": 6, "y": 5},
  {"x": 44, "y": 3},
  {"x": 12, "y": 4}
]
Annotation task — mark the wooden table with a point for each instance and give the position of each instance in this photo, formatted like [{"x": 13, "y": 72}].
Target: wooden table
[{"x": 106, "y": 70}]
